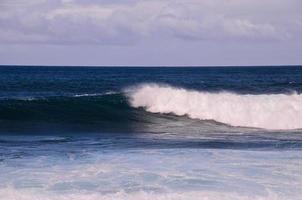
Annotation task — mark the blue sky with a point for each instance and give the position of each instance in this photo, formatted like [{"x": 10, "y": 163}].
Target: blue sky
[{"x": 151, "y": 32}]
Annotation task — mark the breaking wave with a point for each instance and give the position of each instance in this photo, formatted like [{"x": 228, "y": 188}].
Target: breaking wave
[{"x": 268, "y": 111}]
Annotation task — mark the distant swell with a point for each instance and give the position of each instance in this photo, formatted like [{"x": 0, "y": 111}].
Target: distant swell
[{"x": 269, "y": 111}]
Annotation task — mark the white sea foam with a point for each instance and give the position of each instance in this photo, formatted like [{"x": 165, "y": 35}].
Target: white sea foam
[
  {"x": 15, "y": 194},
  {"x": 94, "y": 94},
  {"x": 150, "y": 174},
  {"x": 269, "y": 111}
]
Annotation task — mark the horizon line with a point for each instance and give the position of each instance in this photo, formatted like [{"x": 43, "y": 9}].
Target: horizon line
[{"x": 146, "y": 66}]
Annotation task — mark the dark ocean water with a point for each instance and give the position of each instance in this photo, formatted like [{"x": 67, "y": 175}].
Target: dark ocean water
[
  {"x": 50, "y": 98},
  {"x": 181, "y": 132}
]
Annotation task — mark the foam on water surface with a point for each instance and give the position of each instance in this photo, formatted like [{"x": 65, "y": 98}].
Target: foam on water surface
[
  {"x": 69, "y": 172},
  {"x": 269, "y": 111}
]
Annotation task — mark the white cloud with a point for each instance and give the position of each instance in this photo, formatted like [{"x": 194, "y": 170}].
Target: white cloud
[{"x": 126, "y": 22}]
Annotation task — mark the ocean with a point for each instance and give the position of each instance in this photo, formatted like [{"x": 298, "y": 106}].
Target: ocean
[{"x": 91, "y": 133}]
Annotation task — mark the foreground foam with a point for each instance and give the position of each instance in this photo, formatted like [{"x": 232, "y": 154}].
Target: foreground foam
[
  {"x": 64, "y": 171},
  {"x": 13, "y": 194},
  {"x": 269, "y": 111}
]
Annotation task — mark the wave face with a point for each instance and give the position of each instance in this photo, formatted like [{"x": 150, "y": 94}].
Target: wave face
[
  {"x": 268, "y": 111},
  {"x": 102, "y": 112}
]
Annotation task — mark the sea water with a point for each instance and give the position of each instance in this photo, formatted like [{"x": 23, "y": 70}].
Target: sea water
[{"x": 150, "y": 133}]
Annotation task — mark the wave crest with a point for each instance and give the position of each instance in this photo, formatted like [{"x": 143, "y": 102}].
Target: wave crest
[{"x": 269, "y": 111}]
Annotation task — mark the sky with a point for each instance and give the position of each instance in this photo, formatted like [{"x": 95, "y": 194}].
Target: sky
[{"x": 151, "y": 32}]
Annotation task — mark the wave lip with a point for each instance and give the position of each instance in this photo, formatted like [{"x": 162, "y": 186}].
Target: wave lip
[{"x": 268, "y": 111}]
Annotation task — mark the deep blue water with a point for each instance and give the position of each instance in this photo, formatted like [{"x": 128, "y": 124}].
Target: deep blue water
[
  {"x": 63, "y": 81},
  {"x": 150, "y": 133},
  {"x": 43, "y": 99}
]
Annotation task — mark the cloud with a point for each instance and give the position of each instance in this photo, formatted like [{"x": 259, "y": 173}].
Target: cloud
[{"x": 130, "y": 21}]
